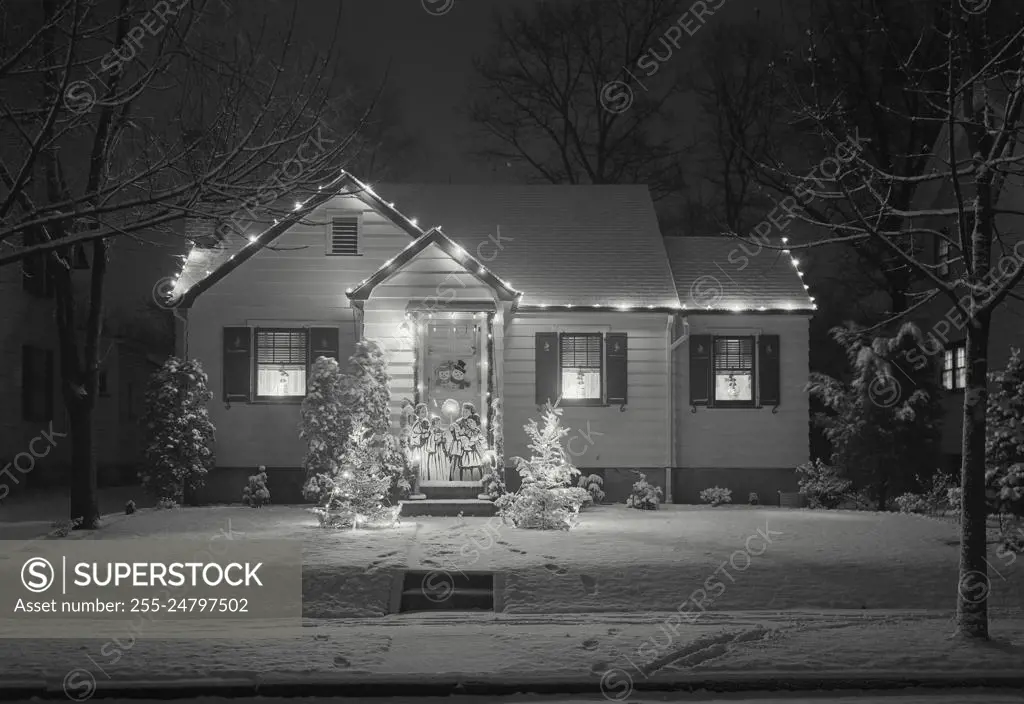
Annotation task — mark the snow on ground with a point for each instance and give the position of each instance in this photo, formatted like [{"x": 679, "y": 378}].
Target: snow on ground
[
  {"x": 522, "y": 649},
  {"x": 602, "y": 598},
  {"x": 620, "y": 559}
]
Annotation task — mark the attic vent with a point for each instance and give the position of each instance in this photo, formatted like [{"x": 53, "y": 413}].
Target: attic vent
[{"x": 344, "y": 237}]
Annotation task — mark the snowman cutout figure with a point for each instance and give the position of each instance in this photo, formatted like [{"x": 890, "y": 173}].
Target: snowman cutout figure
[{"x": 459, "y": 380}]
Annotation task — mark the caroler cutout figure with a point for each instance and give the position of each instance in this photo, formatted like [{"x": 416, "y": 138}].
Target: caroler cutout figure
[
  {"x": 467, "y": 445},
  {"x": 436, "y": 465}
]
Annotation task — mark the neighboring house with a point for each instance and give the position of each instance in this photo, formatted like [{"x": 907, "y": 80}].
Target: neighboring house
[
  {"x": 944, "y": 327},
  {"x": 29, "y": 349},
  {"x": 521, "y": 294}
]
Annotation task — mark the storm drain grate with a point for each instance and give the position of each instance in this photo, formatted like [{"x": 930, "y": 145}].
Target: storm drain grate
[{"x": 441, "y": 590}]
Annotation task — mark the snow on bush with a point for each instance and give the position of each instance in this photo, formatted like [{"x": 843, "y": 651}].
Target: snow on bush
[
  {"x": 545, "y": 501},
  {"x": 912, "y": 503},
  {"x": 1004, "y": 442},
  {"x": 179, "y": 434},
  {"x": 822, "y": 485},
  {"x": 358, "y": 478},
  {"x": 256, "y": 494},
  {"x": 716, "y": 496},
  {"x": 644, "y": 496},
  {"x": 593, "y": 485}
]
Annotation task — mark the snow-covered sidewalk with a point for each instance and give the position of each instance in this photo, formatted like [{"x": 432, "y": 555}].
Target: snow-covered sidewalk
[{"x": 555, "y": 648}]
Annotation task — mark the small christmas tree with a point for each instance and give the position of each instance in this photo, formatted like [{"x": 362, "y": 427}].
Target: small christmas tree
[
  {"x": 1004, "y": 444},
  {"x": 549, "y": 466},
  {"x": 545, "y": 500},
  {"x": 179, "y": 433}
]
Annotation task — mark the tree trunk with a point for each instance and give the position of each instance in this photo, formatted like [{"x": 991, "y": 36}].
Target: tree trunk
[
  {"x": 84, "y": 502},
  {"x": 973, "y": 585}
]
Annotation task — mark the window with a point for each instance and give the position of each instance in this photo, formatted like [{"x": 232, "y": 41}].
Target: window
[
  {"x": 343, "y": 238},
  {"x": 102, "y": 387},
  {"x": 733, "y": 363},
  {"x": 36, "y": 384},
  {"x": 281, "y": 358},
  {"x": 580, "y": 366},
  {"x": 954, "y": 367}
]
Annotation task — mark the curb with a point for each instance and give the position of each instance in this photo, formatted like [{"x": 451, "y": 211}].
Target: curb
[{"x": 408, "y": 686}]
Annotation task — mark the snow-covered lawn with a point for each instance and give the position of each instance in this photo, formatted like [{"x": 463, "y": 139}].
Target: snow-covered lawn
[{"x": 619, "y": 559}]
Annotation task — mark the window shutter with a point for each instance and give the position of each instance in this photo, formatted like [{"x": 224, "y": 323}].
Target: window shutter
[
  {"x": 323, "y": 342},
  {"x": 49, "y": 384},
  {"x": 546, "y": 367},
  {"x": 237, "y": 364},
  {"x": 615, "y": 366},
  {"x": 344, "y": 236},
  {"x": 768, "y": 372},
  {"x": 700, "y": 370}
]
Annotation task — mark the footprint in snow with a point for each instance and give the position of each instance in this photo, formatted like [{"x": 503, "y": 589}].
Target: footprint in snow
[
  {"x": 590, "y": 644},
  {"x": 341, "y": 661},
  {"x": 613, "y": 631},
  {"x": 556, "y": 569},
  {"x": 589, "y": 584},
  {"x": 388, "y": 554},
  {"x": 517, "y": 550}
]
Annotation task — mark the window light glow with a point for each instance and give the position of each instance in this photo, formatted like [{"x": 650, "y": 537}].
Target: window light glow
[
  {"x": 785, "y": 240},
  {"x": 414, "y": 222},
  {"x": 298, "y": 205}
]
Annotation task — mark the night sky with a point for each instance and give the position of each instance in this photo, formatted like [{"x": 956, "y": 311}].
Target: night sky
[{"x": 427, "y": 59}]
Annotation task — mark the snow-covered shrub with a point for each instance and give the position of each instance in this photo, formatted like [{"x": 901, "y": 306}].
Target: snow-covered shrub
[
  {"x": 753, "y": 499},
  {"x": 576, "y": 496},
  {"x": 910, "y": 502},
  {"x": 954, "y": 497},
  {"x": 493, "y": 484},
  {"x": 325, "y": 424},
  {"x": 537, "y": 504},
  {"x": 644, "y": 496},
  {"x": 256, "y": 494},
  {"x": 179, "y": 434},
  {"x": 129, "y": 507},
  {"x": 883, "y": 420},
  {"x": 63, "y": 527},
  {"x": 822, "y": 485},
  {"x": 1011, "y": 542},
  {"x": 1004, "y": 442},
  {"x": 166, "y": 504},
  {"x": 593, "y": 484},
  {"x": 716, "y": 496}
]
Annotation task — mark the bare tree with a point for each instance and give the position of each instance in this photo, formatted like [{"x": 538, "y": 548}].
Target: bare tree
[
  {"x": 561, "y": 94},
  {"x": 955, "y": 200},
  {"x": 735, "y": 77},
  {"x": 117, "y": 119}
]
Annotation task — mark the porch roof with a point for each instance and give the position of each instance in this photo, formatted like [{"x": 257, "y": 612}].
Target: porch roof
[{"x": 455, "y": 251}]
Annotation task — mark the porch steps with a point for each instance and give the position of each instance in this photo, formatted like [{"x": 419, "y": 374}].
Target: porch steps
[
  {"x": 452, "y": 491},
  {"x": 442, "y": 590},
  {"x": 448, "y": 507}
]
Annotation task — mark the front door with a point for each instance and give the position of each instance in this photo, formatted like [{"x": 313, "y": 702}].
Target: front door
[{"x": 453, "y": 359}]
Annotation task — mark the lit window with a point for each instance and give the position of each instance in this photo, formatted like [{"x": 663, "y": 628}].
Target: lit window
[
  {"x": 954, "y": 367},
  {"x": 734, "y": 371},
  {"x": 281, "y": 362},
  {"x": 580, "y": 356}
]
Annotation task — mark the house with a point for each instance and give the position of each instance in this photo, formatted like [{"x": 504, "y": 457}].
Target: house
[
  {"x": 944, "y": 327},
  {"x": 29, "y": 348},
  {"x": 506, "y": 297}
]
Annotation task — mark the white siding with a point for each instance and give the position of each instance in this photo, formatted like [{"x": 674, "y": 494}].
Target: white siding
[
  {"x": 294, "y": 283},
  {"x": 635, "y": 437},
  {"x": 742, "y": 437}
]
